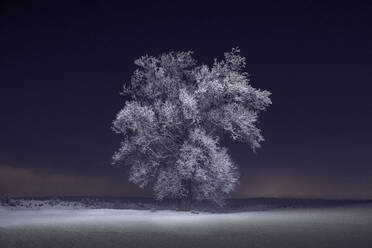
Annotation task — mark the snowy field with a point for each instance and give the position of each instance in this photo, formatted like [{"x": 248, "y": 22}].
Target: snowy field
[{"x": 347, "y": 226}]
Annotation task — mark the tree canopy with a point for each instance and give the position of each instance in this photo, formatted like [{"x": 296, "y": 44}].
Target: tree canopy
[{"x": 174, "y": 120}]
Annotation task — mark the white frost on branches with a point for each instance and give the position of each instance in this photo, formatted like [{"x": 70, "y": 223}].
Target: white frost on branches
[{"x": 177, "y": 114}]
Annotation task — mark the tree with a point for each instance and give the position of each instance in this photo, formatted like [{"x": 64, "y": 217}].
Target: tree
[{"x": 175, "y": 118}]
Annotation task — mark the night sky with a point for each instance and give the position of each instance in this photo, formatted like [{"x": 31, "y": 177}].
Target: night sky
[{"x": 62, "y": 67}]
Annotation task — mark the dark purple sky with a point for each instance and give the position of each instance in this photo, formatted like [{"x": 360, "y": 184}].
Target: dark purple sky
[{"x": 62, "y": 67}]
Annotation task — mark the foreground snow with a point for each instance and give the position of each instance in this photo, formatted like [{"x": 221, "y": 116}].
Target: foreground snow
[{"x": 322, "y": 227}]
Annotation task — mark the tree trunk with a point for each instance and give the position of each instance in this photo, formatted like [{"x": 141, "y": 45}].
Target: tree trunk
[{"x": 184, "y": 203}]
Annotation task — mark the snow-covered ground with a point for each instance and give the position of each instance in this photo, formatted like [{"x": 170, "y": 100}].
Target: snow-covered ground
[{"x": 348, "y": 226}]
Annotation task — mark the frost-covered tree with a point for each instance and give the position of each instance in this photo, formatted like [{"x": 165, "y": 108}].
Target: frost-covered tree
[{"x": 174, "y": 120}]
